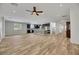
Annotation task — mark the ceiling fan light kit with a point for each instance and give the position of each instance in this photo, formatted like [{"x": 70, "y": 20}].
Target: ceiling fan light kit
[{"x": 35, "y": 12}]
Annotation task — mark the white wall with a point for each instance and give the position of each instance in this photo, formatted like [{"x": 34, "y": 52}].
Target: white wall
[
  {"x": 2, "y": 28},
  {"x": 9, "y": 28},
  {"x": 60, "y": 27},
  {"x": 52, "y": 25},
  {"x": 74, "y": 16}
]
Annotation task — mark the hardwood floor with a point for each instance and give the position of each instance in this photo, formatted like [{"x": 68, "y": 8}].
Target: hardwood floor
[{"x": 35, "y": 44}]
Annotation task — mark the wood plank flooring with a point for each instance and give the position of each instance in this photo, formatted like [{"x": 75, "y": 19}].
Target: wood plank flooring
[{"x": 35, "y": 44}]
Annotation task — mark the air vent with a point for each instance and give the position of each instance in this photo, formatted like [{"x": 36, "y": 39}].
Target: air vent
[
  {"x": 64, "y": 16},
  {"x": 14, "y": 4}
]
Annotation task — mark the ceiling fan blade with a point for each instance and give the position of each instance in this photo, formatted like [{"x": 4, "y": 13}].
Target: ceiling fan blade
[
  {"x": 29, "y": 10},
  {"x": 39, "y": 11},
  {"x": 34, "y": 9},
  {"x": 37, "y": 14}
]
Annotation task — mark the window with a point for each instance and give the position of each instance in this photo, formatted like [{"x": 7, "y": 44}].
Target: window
[
  {"x": 61, "y": 27},
  {"x": 53, "y": 25},
  {"x": 17, "y": 26}
]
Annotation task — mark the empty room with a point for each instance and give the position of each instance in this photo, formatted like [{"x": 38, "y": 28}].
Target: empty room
[{"x": 39, "y": 29}]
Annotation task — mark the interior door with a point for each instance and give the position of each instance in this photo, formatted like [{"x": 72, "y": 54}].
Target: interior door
[{"x": 68, "y": 35}]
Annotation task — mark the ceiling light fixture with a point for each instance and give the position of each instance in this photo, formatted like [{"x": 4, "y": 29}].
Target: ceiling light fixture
[
  {"x": 14, "y": 11},
  {"x": 61, "y": 5},
  {"x": 35, "y": 12}
]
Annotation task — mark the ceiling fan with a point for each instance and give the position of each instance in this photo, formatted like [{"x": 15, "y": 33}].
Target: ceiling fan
[{"x": 35, "y": 12}]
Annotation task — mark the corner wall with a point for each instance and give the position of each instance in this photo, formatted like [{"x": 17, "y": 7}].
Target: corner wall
[
  {"x": 74, "y": 18},
  {"x": 2, "y": 28}
]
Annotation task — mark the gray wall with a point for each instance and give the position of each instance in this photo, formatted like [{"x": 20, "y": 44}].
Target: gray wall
[{"x": 9, "y": 28}]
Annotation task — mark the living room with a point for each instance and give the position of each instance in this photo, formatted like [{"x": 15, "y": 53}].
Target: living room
[{"x": 38, "y": 28}]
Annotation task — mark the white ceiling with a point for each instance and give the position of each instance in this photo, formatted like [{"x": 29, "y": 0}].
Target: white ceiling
[{"x": 52, "y": 11}]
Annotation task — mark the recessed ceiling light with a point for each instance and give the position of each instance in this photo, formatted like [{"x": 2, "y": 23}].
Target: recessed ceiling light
[
  {"x": 61, "y": 5},
  {"x": 58, "y": 15},
  {"x": 14, "y": 11}
]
